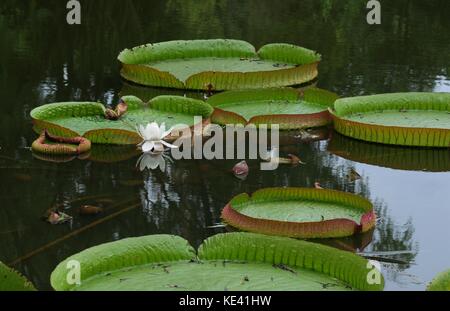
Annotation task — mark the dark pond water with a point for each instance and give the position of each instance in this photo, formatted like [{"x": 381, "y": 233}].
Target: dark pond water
[{"x": 45, "y": 60}]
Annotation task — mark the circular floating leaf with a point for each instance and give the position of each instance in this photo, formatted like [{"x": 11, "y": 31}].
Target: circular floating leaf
[
  {"x": 146, "y": 93},
  {"x": 441, "y": 282},
  {"x": 11, "y": 280},
  {"x": 87, "y": 119},
  {"x": 221, "y": 64},
  {"x": 234, "y": 261},
  {"x": 288, "y": 108},
  {"x": 409, "y": 119},
  {"x": 396, "y": 157},
  {"x": 300, "y": 212}
]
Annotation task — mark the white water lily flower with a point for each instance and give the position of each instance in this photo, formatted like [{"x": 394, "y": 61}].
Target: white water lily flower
[
  {"x": 153, "y": 137},
  {"x": 151, "y": 161}
]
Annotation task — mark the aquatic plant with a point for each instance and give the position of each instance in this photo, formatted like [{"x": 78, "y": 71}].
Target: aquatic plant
[
  {"x": 218, "y": 64},
  {"x": 11, "y": 280},
  {"x": 289, "y": 108},
  {"x": 87, "y": 119},
  {"x": 233, "y": 261},
  {"x": 300, "y": 212},
  {"x": 153, "y": 136},
  {"x": 409, "y": 119},
  {"x": 441, "y": 282}
]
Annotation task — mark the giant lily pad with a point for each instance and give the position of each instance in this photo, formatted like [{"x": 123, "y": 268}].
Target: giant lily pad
[
  {"x": 300, "y": 212},
  {"x": 396, "y": 157},
  {"x": 87, "y": 119},
  {"x": 441, "y": 282},
  {"x": 287, "y": 107},
  {"x": 11, "y": 280},
  {"x": 146, "y": 93},
  {"x": 409, "y": 119},
  {"x": 233, "y": 261},
  {"x": 218, "y": 64}
]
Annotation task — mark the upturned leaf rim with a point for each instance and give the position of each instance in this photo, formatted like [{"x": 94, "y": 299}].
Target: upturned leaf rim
[
  {"x": 392, "y": 135},
  {"x": 332, "y": 228},
  {"x": 237, "y": 247},
  {"x": 134, "y": 66},
  {"x": 290, "y": 121}
]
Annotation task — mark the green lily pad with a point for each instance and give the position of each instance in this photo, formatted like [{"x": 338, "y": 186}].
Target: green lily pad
[
  {"x": 87, "y": 119},
  {"x": 409, "y": 119},
  {"x": 233, "y": 261},
  {"x": 300, "y": 212},
  {"x": 289, "y": 108},
  {"x": 441, "y": 282},
  {"x": 11, "y": 280},
  {"x": 396, "y": 157},
  {"x": 218, "y": 64},
  {"x": 146, "y": 93}
]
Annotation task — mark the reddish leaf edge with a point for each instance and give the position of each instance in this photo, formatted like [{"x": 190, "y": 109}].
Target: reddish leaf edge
[{"x": 339, "y": 227}]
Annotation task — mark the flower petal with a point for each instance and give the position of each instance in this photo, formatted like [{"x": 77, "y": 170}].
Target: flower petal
[
  {"x": 162, "y": 164},
  {"x": 152, "y": 131},
  {"x": 162, "y": 129},
  {"x": 168, "y": 145},
  {"x": 143, "y": 161},
  {"x": 154, "y": 163},
  {"x": 141, "y": 131},
  {"x": 147, "y": 146}
]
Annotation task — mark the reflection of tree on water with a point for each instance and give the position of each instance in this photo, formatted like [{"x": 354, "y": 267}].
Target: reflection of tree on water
[
  {"x": 391, "y": 237},
  {"x": 184, "y": 200},
  {"x": 388, "y": 236}
]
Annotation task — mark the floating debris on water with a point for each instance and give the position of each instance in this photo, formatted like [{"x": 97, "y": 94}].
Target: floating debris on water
[
  {"x": 241, "y": 170},
  {"x": 89, "y": 210}
]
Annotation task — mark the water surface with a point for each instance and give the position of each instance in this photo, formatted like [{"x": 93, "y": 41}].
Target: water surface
[{"x": 45, "y": 60}]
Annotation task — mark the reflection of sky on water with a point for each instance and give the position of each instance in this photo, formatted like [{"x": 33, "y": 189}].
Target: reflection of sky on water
[
  {"x": 424, "y": 198},
  {"x": 442, "y": 84}
]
